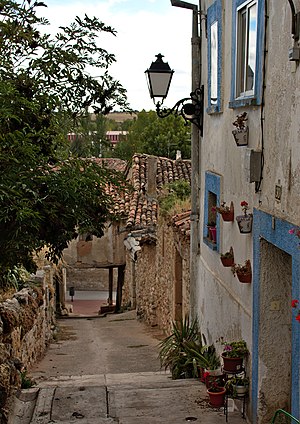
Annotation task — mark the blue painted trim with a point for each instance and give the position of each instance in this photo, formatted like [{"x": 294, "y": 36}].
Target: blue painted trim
[
  {"x": 280, "y": 237},
  {"x": 214, "y": 14},
  {"x": 213, "y": 185},
  {"x": 257, "y": 97}
]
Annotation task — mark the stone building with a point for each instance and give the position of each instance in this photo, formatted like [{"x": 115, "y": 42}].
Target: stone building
[
  {"x": 150, "y": 255},
  {"x": 97, "y": 263},
  {"x": 250, "y": 69},
  {"x": 157, "y": 249}
]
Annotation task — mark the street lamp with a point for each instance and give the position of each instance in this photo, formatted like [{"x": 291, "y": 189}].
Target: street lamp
[{"x": 159, "y": 77}]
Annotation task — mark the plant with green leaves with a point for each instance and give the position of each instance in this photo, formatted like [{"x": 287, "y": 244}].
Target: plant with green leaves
[
  {"x": 233, "y": 383},
  {"x": 46, "y": 198},
  {"x": 174, "y": 349}
]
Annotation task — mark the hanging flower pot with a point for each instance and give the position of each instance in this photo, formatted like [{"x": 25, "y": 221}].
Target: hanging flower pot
[
  {"x": 245, "y": 221},
  {"x": 241, "y": 137},
  {"x": 244, "y": 278},
  {"x": 240, "y": 133},
  {"x": 227, "y": 212},
  {"x": 243, "y": 272},
  {"x": 216, "y": 396},
  {"x": 227, "y": 258},
  {"x": 228, "y": 216}
]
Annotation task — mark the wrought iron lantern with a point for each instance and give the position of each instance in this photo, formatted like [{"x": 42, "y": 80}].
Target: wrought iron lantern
[{"x": 159, "y": 77}]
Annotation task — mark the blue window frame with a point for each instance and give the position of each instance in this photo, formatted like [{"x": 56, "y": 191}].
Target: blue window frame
[
  {"x": 247, "y": 52},
  {"x": 214, "y": 56},
  {"x": 211, "y": 198}
]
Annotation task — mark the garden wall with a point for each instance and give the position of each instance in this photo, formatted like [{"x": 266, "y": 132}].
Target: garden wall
[{"x": 26, "y": 322}]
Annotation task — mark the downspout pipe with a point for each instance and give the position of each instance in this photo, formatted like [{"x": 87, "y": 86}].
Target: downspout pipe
[{"x": 195, "y": 157}]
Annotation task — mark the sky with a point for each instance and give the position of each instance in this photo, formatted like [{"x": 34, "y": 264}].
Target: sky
[{"x": 144, "y": 29}]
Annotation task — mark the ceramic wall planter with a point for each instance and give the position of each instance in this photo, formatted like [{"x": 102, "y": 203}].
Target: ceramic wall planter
[
  {"x": 227, "y": 262},
  {"x": 241, "y": 136},
  {"x": 245, "y": 223},
  {"x": 244, "y": 278},
  {"x": 228, "y": 216}
]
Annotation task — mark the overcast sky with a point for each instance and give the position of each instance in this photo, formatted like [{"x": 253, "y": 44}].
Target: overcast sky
[{"x": 144, "y": 29}]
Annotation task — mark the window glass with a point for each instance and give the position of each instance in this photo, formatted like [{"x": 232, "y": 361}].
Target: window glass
[
  {"x": 246, "y": 49},
  {"x": 251, "y": 62},
  {"x": 214, "y": 63}
]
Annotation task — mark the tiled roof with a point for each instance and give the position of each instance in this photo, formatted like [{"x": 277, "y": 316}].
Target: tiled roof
[
  {"x": 112, "y": 163},
  {"x": 139, "y": 207},
  {"x": 182, "y": 223}
]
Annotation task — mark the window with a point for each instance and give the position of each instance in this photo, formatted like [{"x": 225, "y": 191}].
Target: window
[
  {"x": 211, "y": 198},
  {"x": 214, "y": 52},
  {"x": 247, "y": 48}
]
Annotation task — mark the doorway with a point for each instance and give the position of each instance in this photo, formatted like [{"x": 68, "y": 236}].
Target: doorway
[{"x": 275, "y": 332}]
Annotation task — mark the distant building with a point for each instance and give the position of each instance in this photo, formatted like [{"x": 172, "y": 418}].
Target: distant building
[{"x": 115, "y": 136}]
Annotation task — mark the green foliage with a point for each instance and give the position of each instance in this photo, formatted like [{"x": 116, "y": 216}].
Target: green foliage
[
  {"x": 26, "y": 382},
  {"x": 14, "y": 277},
  {"x": 174, "y": 193},
  {"x": 174, "y": 349},
  {"x": 45, "y": 198},
  {"x": 155, "y": 136},
  {"x": 235, "y": 349},
  {"x": 90, "y": 133}
]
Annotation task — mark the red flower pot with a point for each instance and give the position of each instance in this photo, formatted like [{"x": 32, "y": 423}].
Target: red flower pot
[
  {"x": 217, "y": 399},
  {"x": 244, "y": 278},
  {"x": 232, "y": 364},
  {"x": 228, "y": 216},
  {"x": 227, "y": 261},
  {"x": 213, "y": 233}
]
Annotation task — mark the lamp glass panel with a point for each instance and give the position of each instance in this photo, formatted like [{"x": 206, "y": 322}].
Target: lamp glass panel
[{"x": 160, "y": 83}]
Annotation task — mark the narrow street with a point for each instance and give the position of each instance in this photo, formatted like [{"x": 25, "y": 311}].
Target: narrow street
[{"x": 106, "y": 370}]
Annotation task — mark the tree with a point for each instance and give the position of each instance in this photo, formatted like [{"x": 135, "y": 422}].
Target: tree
[
  {"x": 90, "y": 136},
  {"x": 45, "y": 197},
  {"x": 152, "y": 135}
]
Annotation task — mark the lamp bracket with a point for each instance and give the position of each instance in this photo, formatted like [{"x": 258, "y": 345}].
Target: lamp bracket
[{"x": 190, "y": 108}]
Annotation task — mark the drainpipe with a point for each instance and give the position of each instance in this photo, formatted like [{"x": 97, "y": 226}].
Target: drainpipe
[{"x": 195, "y": 155}]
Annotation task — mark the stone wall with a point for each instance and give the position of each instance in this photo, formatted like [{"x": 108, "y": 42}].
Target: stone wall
[
  {"x": 150, "y": 281},
  {"x": 26, "y": 321}
]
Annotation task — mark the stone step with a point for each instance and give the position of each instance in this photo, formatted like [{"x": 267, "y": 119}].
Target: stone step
[{"x": 43, "y": 406}]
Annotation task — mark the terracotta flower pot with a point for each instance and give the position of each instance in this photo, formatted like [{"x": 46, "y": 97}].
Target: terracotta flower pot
[
  {"x": 213, "y": 232},
  {"x": 217, "y": 399},
  {"x": 232, "y": 364},
  {"x": 228, "y": 216},
  {"x": 227, "y": 261},
  {"x": 244, "y": 278}
]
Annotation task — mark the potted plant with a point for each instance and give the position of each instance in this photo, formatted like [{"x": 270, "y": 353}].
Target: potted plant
[
  {"x": 216, "y": 392},
  {"x": 174, "y": 349},
  {"x": 245, "y": 221},
  {"x": 227, "y": 258},
  {"x": 212, "y": 231},
  {"x": 243, "y": 272},
  {"x": 233, "y": 355},
  {"x": 205, "y": 360},
  {"x": 227, "y": 212},
  {"x": 237, "y": 386},
  {"x": 240, "y": 133}
]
